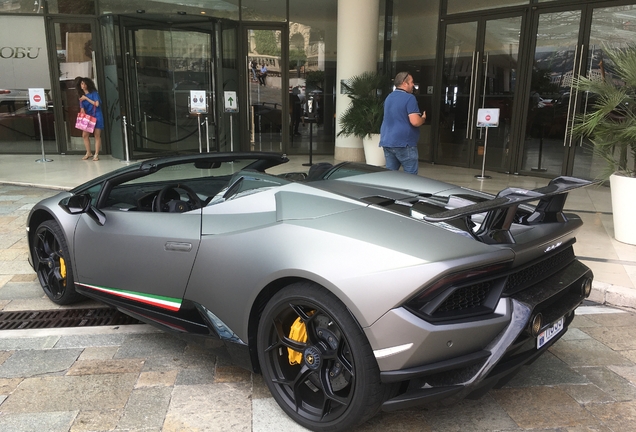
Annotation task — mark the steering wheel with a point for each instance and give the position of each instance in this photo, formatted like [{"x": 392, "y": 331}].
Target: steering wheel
[{"x": 176, "y": 205}]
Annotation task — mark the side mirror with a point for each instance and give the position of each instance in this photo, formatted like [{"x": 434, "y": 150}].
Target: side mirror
[
  {"x": 79, "y": 204},
  {"x": 76, "y": 204}
]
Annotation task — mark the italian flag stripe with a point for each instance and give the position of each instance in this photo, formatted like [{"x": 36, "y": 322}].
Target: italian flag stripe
[{"x": 170, "y": 303}]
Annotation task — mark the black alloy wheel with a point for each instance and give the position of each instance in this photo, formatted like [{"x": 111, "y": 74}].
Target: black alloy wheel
[
  {"x": 52, "y": 264},
  {"x": 336, "y": 384}
]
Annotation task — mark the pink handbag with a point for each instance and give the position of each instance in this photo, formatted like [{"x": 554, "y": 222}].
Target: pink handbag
[{"x": 86, "y": 122}]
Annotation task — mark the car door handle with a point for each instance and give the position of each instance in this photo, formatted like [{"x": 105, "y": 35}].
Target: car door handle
[{"x": 178, "y": 246}]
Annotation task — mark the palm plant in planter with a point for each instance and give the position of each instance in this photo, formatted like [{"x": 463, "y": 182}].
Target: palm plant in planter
[
  {"x": 363, "y": 117},
  {"x": 611, "y": 127}
]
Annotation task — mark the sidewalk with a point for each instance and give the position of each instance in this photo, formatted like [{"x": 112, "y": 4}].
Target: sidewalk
[{"x": 613, "y": 263}]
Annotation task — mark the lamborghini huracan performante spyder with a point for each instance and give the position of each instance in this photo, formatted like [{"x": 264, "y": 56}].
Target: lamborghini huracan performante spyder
[{"x": 350, "y": 288}]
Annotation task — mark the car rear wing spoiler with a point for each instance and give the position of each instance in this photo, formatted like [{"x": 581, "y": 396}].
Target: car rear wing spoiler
[{"x": 500, "y": 211}]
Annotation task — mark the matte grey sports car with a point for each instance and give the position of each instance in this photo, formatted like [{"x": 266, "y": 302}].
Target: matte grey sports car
[{"x": 351, "y": 288}]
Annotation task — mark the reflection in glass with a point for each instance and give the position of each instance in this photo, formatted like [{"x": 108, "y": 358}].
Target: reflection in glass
[
  {"x": 457, "y": 6},
  {"x": 312, "y": 71},
  {"x": 613, "y": 27},
  {"x": 164, "y": 66},
  {"x": 548, "y": 112},
  {"x": 265, "y": 102},
  {"x": 501, "y": 51},
  {"x": 259, "y": 10},
  {"x": 218, "y": 8},
  {"x": 457, "y": 81}
]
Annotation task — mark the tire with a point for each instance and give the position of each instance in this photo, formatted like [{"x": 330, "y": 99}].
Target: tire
[
  {"x": 337, "y": 384},
  {"x": 52, "y": 264}
]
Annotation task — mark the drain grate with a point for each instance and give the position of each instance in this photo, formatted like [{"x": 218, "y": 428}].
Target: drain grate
[{"x": 63, "y": 318}]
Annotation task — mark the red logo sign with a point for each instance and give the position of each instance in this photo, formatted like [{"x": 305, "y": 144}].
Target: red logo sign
[
  {"x": 37, "y": 98},
  {"x": 487, "y": 117}
]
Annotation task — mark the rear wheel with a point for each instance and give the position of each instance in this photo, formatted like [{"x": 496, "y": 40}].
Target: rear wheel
[
  {"x": 53, "y": 265},
  {"x": 316, "y": 360}
]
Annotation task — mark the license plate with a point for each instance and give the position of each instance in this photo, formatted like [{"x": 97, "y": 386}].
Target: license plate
[{"x": 549, "y": 333}]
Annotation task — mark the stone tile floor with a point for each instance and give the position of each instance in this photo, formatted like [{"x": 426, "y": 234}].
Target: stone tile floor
[{"x": 133, "y": 378}]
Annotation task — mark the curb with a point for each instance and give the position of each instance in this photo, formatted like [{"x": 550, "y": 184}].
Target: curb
[{"x": 614, "y": 295}]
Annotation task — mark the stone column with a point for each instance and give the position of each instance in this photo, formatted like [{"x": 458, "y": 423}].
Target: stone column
[{"x": 357, "y": 53}]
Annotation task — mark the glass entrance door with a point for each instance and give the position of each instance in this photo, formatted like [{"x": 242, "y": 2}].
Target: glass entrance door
[
  {"x": 267, "y": 115},
  {"x": 551, "y": 103},
  {"x": 164, "y": 63},
  {"x": 479, "y": 71}
]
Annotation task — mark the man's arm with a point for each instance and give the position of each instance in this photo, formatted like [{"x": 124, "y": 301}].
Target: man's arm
[{"x": 417, "y": 119}]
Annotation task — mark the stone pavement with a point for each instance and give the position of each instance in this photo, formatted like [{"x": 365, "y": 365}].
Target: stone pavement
[{"x": 134, "y": 378}]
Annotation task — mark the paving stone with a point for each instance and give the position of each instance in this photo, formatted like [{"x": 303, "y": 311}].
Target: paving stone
[
  {"x": 71, "y": 393},
  {"x": 15, "y": 267},
  {"x": 575, "y": 334},
  {"x": 587, "y": 393},
  {"x": 8, "y": 385},
  {"x": 259, "y": 388},
  {"x": 616, "y": 338},
  {"x": 146, "y": 408},
  {"x": 227, "y": 406},
  {"x": 99, "y": 353},
  {"x": 42, "y": 303},
  {"x": 28, "y": 343},
  {"x": 25, "y": 278},
  {"x": 156, "y": 379},
  {"x": 627, "y": 372},
  {"x": 195, "y": 376},
  {"x": 97, "y": 340},
  {"x": 99, "y": 367},
  {"x": 267, "y": 416},
  {"x": 191, "y": 358},
  {"x": 5, "y": 355},
  {"x": 28, "y": 363},
  {"x": 4, "y": 278},
  {"x": 630, "y": 355},
  {"x": 587, "y": 352},
  {"x": 89, "y": 421},
  {"x": 543, "y": 407},
  {"x": 617, "y": 417},
  {"x": 231, "y": 374},
  {"x": 583, "y": 321},
  {"x": 547, "y": 370},
  {"x": 614, "y": 319},
  {"x": 20, "y": 290},
  {"x": 150, "y": 345},
  {"x": 49, "y": 422},
  {"x": 611, "y": 383},
  {"x": 484, "y": 414}
]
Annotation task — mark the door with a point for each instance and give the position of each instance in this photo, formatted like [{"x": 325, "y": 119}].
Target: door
[
  {"x": 551, "y": 104},
  {"x": 479, "y": 71},
  {"x": 163, "y": 63},
  {"x": 266, "y": 112}
]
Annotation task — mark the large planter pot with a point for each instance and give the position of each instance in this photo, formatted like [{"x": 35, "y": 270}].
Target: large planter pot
[
  {"x": 373, "y": 153},
  {"x": 623, "y": 191}
]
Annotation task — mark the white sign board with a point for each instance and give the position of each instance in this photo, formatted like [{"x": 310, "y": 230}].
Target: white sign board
[
  {"x": 231, "y": 103},
  {"x": 24, "y": 61},
  {"x": 37, "y": 99},
  {"x": 198, "y": 104},
  {"x": 488, "y": 117}
]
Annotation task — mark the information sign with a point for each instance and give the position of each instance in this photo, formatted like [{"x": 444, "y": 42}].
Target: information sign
[
  {"x": 198, "y": 103},
  {"x": 488, "y": 117},
  {"x": 37, "y": 99},
  {"x": 231, "y": 104}
]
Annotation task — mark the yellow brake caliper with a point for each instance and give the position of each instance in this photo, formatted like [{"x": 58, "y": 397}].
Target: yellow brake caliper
[
  {"x": 297, "y": 332},
  {"x": 63, "y": 270}
]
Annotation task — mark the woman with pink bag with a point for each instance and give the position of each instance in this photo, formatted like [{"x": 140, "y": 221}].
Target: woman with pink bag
[{"x": 90, "y": 104}]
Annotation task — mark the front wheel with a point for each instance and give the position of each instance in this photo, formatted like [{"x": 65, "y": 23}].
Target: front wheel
[
  {"x": 316, "y": 360},
  {"x": 53, "y": 265}
]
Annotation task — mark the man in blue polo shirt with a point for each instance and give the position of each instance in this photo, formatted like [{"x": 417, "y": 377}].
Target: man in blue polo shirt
[{"x": 399, "y": 132}]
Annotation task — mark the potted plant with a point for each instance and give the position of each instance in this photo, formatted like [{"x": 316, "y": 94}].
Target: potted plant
[
  {"x": 363, "y": 117},
  {"x": 610, "y": 126}
]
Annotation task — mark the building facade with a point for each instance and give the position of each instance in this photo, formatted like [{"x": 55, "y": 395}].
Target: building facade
[{"x": 262, "y": 64}]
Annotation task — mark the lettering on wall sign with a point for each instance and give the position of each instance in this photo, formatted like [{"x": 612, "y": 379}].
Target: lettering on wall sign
[{"x": 8, "y": 52}]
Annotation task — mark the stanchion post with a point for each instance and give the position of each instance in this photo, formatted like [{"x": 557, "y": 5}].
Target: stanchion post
[
  {"x": 44, "y": 159},
  {"x": 207, "y": 134},
  {"x": 483, "y": 175},
  {"x": 123, "y": 121},
  {"x": 231, "y": 135},
  {"x": 199, "y": 129}
]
